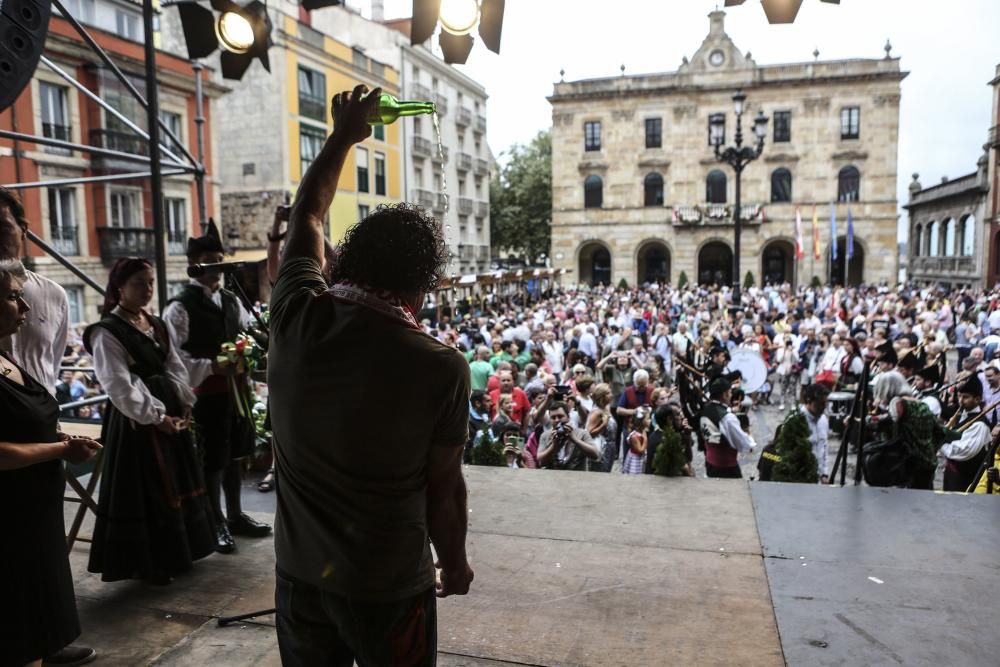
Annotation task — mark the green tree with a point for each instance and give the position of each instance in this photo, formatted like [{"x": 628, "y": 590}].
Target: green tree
[
  {"x": 521, "y": 201},
  {"x": 682, "y": 281},
  {"x": 797, "y": 464},
  {"x": 748, "y": 281},
  {"x": 816, "y": 282},
  {"x": 622, "y": 284},
  {"x": 669, "y": 458}
]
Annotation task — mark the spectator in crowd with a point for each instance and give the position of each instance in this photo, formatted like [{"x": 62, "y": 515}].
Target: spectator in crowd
[{"x": 563, "y": 447}]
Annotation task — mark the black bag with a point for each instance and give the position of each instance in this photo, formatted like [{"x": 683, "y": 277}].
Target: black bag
[{"x": 889, "y": 462}]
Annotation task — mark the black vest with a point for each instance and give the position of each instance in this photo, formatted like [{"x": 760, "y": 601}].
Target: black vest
[{"x": 208, "y": 326}]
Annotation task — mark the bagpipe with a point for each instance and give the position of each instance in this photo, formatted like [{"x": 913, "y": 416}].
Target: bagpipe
[{"x": 692, "y": 390}]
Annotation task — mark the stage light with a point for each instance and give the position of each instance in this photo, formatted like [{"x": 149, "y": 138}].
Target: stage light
[
  {"x": 318, "y": 4},
  {"x": 235, "y": 32},
  {"x": 459, "y": 17},
  {"x": 23, "y": 24},
  {"x": 244, "y": 33}
]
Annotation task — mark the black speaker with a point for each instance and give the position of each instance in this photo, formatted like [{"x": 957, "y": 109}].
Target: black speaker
[{"x": 23, "y": 25}]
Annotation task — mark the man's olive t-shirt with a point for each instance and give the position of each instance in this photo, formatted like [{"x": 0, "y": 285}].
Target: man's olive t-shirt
[{"x": 357, "y": 401}]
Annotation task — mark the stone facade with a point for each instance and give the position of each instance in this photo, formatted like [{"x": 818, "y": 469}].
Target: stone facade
[
  {"x": 993, "y": 177},
  {"x": 948, "y": 230},
  {"x": 624, "y": 238}
]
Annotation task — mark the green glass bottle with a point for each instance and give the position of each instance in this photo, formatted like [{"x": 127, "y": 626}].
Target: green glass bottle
[{"x": 389, "y": 109}]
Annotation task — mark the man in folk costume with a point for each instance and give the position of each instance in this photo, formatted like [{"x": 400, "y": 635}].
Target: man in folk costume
[
  {"x": 963, "y": 457},
  {"x": 721, "y": 433},
  {"x": 200, "y": 319},
  {"x": 925, "y": 383}
]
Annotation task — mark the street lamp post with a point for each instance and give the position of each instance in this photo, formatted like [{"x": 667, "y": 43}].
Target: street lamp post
[{"x": 737, "y": 157}]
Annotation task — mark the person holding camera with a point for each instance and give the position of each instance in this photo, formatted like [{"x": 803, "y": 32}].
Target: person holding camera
[{"x": 563, "y": 447}]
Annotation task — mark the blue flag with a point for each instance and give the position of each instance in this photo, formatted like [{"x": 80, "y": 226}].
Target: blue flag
[
  {"x": 833, "y": 232},
  {"x": 850, "y": 235}
]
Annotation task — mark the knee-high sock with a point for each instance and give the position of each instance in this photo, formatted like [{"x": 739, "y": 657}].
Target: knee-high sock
[{"x": 232, "y": 479}]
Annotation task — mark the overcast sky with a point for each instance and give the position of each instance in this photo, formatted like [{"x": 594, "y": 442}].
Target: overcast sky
[{"x": 950, "y": 49}]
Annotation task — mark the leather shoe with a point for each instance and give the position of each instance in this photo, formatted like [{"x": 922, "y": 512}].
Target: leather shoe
[
  {"x": 71, "y": 655},
  {"x": 247, "y": 527},
  {"x": 224, "y": 543}
]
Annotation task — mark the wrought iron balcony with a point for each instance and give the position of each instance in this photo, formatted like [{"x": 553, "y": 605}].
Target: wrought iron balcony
[
  {"x": 441, "y": 202},
  {"x": 480, "y": 126},
  {"x": 437, "y": 158},
  {"x": 441, "y": 103},
  {"x": 176, "y": 245},
  {"x": 463, "y": 117},
  {"x": 482, "y": 209},
  {"x": 423, "y": 197},
  {"x": 466, "y": 252},
  {"x": 482, "y": 166},
  {"x": 464, "y": 206},
  {"x": 118, "y": 242},
  {"x": 125, "y": 142},
  {"x": 464, "y": 162},
  {"x": 958, "y": 266},
  {"x": 422, "y": 147},
  {"x": 421, "y": 93},
  {"x": 483, "y": 253},
  {"x": 66, "y": 241},
  {"x": 60, "y": 132},
  {"x": 312, "y": 107}
]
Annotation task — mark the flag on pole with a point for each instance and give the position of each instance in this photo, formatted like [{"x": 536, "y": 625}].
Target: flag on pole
[
  {"x": 799, "y": 251},
  {"x": 833, "y": 232},
  {"x": 850, "y": 235},
  {"x": 816, "y": 253}
]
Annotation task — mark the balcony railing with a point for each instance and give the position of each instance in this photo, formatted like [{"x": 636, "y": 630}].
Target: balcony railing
[
  {"x": 441, "y": 202},
  {"x": 482, "y": 209},
  {"x": 480, "y": 127},
  {"x": 118, "y": 242},
  {"x": 421, "y": 93},
  {"x": 422, "y": 147},
  {"x": 714, "y": 214},
  {"x": 436, "y": 157},
  {"x": 441, "y": 103},
  {"x": 942, "y": 265},
  {"x": 125, "y": 142},
  {"x": 66, "y": 241},
  {"x": 312, "y": 107},
  {"x": 466, "y": 252},
  {"x": 464, "y": 206},
  {"x": 463, "y": 117},
  {"x": 60, "y": 132},
  {"x": 464, "y": 162},
  {"x": 176, "y": 246},
  {"x": 483, "y": 253},
  {"x": 423, "y": 197},
  {"x": 482, "y": 167}
]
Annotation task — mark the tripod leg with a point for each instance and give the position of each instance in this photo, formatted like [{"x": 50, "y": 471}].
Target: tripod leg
[{"x": 229, "y": 620}]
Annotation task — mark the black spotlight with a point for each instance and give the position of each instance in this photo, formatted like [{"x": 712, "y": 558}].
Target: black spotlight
[
  {"x": 458, "y": 18},
  {"x": 23, "y": 24},
  {"x": 243, "y": 33},
  {"x": 318, "y": 4}
]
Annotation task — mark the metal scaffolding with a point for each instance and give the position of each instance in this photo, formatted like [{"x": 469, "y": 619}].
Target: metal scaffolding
[{"x": 163, "y": 160}]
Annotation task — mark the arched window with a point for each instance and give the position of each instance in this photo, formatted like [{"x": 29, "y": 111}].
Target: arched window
[
  {"x": 917, "y": 245},
  {"x": 933, "y": 242},
  {"x": 593, "y": 192},
  {"x": 948, "y": 235},
  {"x": 715, "y": 187},
  {"x": 652, "y": 187},
  {"x": 781, "y": 185},
  {"x": 848, "y": 184},
  {"x": 968, "y": 236}
]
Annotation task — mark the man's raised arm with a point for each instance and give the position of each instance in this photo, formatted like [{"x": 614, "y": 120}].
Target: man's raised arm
[{"x": 351, "y": 111}]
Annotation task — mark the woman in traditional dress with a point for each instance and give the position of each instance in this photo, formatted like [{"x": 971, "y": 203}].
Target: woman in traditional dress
[
  {"x": 38, "y": 613},
  {"x": 153, "y": 518}
]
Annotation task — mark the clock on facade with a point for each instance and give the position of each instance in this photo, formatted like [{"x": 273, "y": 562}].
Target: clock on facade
[{"x": 716, "y": 57}]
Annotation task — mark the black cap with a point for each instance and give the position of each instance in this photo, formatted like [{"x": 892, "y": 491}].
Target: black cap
[
  {"x": 888, "y": 353},
  {"x": 930, "y": 373},
  {"x": 911, "y": 361},
  {"x": 210, "y": 242},
  {"x": 971, "y": 386},
  {"x": 716, "y": 350},
  {"x": 719, "y": 387}
]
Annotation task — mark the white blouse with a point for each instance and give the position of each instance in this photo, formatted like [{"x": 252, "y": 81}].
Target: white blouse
[{"x": 127, "y": 392}]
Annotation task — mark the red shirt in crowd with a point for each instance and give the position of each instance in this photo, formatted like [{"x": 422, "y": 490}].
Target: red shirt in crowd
[{"x": 520, "y": 404}]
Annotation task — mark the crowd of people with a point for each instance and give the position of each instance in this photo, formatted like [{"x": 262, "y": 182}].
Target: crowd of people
[{"x": 594, "y": 379}]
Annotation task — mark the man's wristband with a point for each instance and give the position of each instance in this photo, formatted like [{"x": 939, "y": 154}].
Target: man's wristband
[{"x": 276, "y": 238}]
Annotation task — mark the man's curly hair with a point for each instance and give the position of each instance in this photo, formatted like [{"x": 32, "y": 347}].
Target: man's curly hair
[{"x": 397, "y": 248}]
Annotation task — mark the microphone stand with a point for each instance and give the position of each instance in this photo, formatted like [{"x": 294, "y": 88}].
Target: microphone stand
[{"x": 225, "y": 621}]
